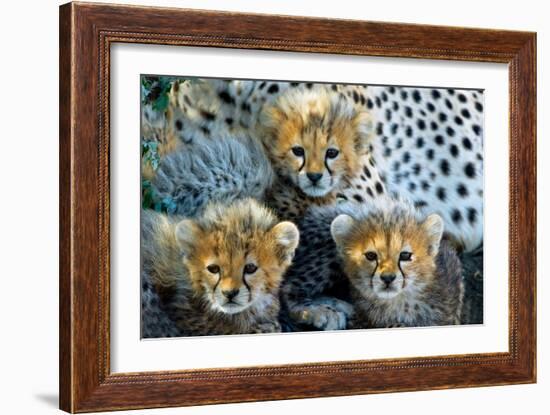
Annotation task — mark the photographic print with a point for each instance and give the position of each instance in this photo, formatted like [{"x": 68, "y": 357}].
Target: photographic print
[
  {"x": 283, "y": 206},
  {"x": 329, "y": 191}
]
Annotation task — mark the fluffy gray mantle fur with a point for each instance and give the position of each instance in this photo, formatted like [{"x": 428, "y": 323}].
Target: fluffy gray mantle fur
[
  {"x": 223, "y": 169},
  {"x": 155, "y": 321}
]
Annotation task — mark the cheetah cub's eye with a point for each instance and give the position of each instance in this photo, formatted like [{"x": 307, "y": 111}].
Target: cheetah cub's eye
[
  {"x": 214, "y": 269},
  {"x": 332, "y": 153},
  {"x": 405, "y": 256},
  {"x": 371, "y": 256},
  {"x": 298, "y": 151},
  {"x": 250, "y": 268}
]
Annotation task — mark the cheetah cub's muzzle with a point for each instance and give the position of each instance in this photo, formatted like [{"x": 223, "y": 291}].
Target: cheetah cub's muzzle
[{"x": 232, "y": 292}]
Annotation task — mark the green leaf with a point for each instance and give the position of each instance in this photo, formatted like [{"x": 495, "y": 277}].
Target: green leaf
[{"x": 161, "y": 103}]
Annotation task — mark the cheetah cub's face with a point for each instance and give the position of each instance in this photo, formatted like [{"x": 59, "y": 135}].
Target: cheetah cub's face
[
  {"x": 388, "y": 253},
  {"x": 236, "y": 256},
  {"x": 314, "y": 138}
]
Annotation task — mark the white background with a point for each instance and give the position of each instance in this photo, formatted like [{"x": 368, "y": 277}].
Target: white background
[
  {"x": 30, "y": 204},
  {"x": 129, "y": 354}
]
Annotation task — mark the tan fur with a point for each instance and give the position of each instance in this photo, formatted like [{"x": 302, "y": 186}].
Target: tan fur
[
  {"x": 230, "y": 238},
  {"x": 180, "y": 254},
  {"x": 422, "y": 288},
  {"x": 388, "y": 242},
  {"x": 315, "y": 121}
]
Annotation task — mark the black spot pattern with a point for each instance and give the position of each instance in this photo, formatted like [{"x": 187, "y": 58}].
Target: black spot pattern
[
  {"x": 470, "y": 170},
  {"x": 445, "y": 167},
  {"x": 421, "y": 124},
  {"x": 453, "y": 149},
  {"x": 456, "y": 216},
  {"x": 462, "y": 190},
  {"x": 226, "y": 97},
  {"x": 273, "y": 89},
  {"x": 367, "y": 171},
  {"x": 472, "y": 215}
]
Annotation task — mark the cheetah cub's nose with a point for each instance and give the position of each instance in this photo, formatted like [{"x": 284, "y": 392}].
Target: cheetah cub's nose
[
  {"x": 387, "y": 278},
  {"x": 314, "y": 177},
  {"x": 230, "y": 294}
]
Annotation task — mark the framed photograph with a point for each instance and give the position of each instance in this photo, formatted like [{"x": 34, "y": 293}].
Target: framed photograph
[{"x": 258, "y": 207}]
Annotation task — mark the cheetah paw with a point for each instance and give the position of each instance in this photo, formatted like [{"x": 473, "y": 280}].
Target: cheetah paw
[
  {"x": 326, "y": 314},
  {"x": 267, "y": 327}
]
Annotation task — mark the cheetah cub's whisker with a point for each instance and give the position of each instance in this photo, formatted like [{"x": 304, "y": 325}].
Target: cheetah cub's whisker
[
  {"x": 218, "y": 273},
  {"x": 401, "y": 273}
]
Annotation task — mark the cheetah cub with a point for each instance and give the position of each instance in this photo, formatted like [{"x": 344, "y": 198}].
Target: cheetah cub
[
  {"x": 379, "y": 264},
  {"x": 314, "y": 138},
  {"x": 401, "y": 273},
  {"x": 218, "y": 273}
]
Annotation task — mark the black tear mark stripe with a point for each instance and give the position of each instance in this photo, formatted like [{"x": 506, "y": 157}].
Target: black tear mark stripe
[
  {"x": 217, "y": 283},
  {"x": 402, "y": 273},
  {"x": 247, "y": 287},
  {"x": 303, "y": 163},
  {"x": 372, "y": 275},
  {"x": 328, "y": 168},
  {"x": 374, "y": 272}
]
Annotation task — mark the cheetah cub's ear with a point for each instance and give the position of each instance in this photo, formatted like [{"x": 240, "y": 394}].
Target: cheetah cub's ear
[
  {"x": 187, "y": 233},
  {"x": 433, "y": 226},
  {"x": 364, "y": 126},
  {"x": 287, "y": 237},
  {"x": 340, "y": 228}
]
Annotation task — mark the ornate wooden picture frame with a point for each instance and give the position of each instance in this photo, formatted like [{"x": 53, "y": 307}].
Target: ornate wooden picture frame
[{"x": 87, "y": 32}]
